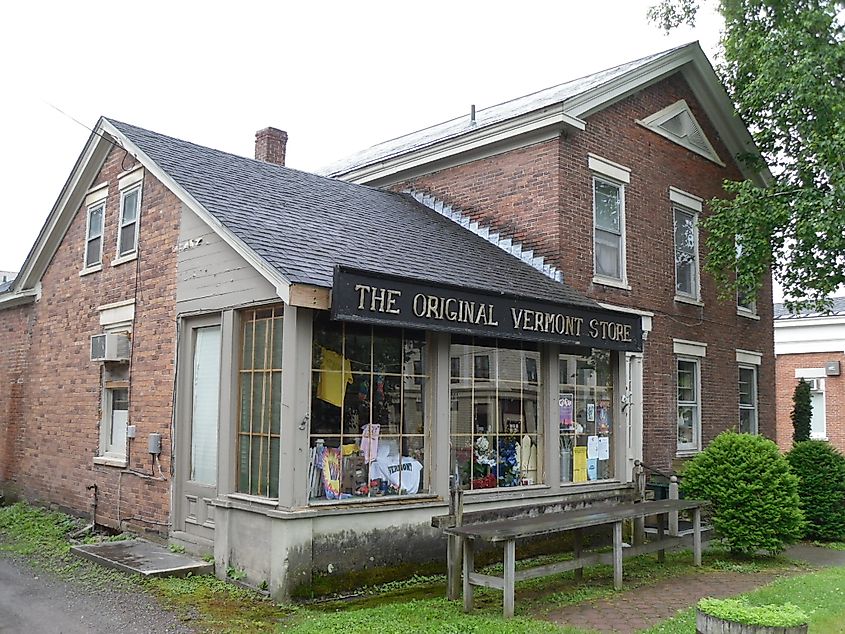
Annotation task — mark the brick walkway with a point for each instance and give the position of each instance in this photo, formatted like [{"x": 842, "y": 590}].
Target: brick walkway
[{"x": 644, "y": 607}]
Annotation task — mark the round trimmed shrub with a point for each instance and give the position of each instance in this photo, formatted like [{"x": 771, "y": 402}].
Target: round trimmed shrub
[
  {"x": 821, "y": 488},
  {"x": 752, "y": 491}
]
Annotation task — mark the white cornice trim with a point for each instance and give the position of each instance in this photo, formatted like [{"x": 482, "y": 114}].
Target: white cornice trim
[
  {"x": 552, "y": 117},
  {"x": 281, "y": 284},
  {"x": 17, "y": 299}
]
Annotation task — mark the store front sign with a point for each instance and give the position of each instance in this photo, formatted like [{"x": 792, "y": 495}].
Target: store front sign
[{"x": 374, "y": 299}]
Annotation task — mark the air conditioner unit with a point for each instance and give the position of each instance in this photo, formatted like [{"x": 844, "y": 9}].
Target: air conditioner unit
[
  {"x": 110, "y": 346},
  {"x": 815, "y": 384}
]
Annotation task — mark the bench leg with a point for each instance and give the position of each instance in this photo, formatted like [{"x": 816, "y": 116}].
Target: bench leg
[
  {"x": 469, "y": 568},
  {"x": 453, "y": 567},
  {"x": 617, "y": 555},
  {"x": 661, "y": 554},
  {"x": 696, "y": 536},
  {"x": 577, "y": 545},
  {"x": 510, "y": 577}
]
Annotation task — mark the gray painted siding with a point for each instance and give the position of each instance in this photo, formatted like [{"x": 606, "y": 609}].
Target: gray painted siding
[{"x": 211, "y": 275}]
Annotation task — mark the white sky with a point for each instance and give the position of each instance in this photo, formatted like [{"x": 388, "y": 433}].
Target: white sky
[{"x": 337, "y": 76}]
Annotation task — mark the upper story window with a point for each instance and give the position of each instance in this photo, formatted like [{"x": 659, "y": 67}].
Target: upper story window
[
  {"x": 686, "y": 253},
  {"x": 130, "y": 208},
  {"x": 685, "y": 211},
  {"x": 746, "y": 299},
  {"x": 94, "y": 234},
  {"x": 609, "y": 181}
]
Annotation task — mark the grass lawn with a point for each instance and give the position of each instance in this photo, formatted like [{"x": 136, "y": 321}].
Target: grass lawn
[{"x": 409, "y": 606}]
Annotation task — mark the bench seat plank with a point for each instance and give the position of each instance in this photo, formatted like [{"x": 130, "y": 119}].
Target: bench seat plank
[{"x": 548, "y": 523}]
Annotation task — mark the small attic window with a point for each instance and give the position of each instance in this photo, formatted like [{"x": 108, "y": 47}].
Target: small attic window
[{"x": 677, "y": 123}]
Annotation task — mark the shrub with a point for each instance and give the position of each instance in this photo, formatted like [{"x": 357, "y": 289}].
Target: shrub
[
  {"x": 738, "y": 611},
  {"x": 821, "y": 488},
  {"x": 802, "y": 412},
  {"x": 753, "y": 492}
]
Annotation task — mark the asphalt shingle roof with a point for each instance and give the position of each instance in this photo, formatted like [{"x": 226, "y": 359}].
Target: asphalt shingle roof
[
  {"x": 486, "y": 117},
  {"x": 837, "y": 308},
  {"x": 303, "y": 224}
]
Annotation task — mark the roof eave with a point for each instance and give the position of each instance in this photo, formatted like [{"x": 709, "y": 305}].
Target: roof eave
[
  {"x": 498, "y": 137},
  {"x": 10, "y": 300}
]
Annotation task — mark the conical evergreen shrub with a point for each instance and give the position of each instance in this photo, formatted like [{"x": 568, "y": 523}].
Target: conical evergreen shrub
[
  {"x": 821, "y": 488},
  {"x": 753, "y": 492}
]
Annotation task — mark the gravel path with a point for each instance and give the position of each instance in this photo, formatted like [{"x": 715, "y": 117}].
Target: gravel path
[{"x": 35, "y": 602}]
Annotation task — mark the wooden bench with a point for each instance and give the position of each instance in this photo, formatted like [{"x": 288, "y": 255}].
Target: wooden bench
[{"x": 508, "y": 531}]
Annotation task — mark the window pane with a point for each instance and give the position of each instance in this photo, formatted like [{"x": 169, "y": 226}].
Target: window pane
[
  {"x": 685, "y": 253},
  {"x": 608, "y": 255},
  {"x": 482, "y": 366},
  {"x": 92, "y": 252},
  {"x": 608, "y": 206},
  {"x": 127, "y": 238},
  {"x": 746, "y": 386},
  {"x": 686, "y": 424},
  {"x": 746, "y": 421},
  {"x": 205, "y": 408},
  {"x": 685, "y": 277},
  {"x": 95, "y": 222},
  {"x": 130, "y": 206}
]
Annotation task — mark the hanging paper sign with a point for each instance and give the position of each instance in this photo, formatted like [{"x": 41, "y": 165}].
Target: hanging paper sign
[
  {"x": 603, "y": 448},
  {"x": 331, "y": 472},
  {"x": 567, "y": 404},
  {"x": 592, "y": 447},
  {"x": 592, "y": 469}
]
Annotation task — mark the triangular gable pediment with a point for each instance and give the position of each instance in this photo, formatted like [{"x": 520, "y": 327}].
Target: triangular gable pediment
[{"x": 678, "y": 124}]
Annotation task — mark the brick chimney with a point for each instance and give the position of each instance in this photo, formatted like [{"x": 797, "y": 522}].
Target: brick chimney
[{"x": 270, "y": 145}]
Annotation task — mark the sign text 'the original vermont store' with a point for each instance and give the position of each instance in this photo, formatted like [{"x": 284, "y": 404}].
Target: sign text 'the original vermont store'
[{"x": 375, "y": 299}]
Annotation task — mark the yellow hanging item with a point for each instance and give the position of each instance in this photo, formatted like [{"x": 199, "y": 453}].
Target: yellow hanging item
[{"x": 335, "y": 375}]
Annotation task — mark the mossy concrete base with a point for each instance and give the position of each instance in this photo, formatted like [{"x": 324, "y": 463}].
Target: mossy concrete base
[{"x": 707, "y": 624}]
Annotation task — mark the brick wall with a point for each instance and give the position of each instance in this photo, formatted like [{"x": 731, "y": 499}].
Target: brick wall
[
  {"x": 542, "y": 195},
  {"x": 834, "y": 395},
  {"x": 59, "y": 433},
  {"x": 15, "y": 338}
]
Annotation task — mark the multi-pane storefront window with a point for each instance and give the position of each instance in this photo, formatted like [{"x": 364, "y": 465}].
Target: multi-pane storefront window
[
  {"x": 259, "y": 427},
  {"x": 368, "y": 412},
  {"x": 496, "y": 426},
  {"x": 586, "y": 417}
]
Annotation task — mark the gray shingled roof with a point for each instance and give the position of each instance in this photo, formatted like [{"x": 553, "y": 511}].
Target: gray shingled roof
[
  {"x": 303, "y": 224},
  {"x": 837, "y": 308},
  {"x": 485, "y": 117}
]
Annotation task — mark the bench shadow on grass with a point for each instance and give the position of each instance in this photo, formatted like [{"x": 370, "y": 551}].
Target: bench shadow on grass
[{"x": 536, "y": 597}]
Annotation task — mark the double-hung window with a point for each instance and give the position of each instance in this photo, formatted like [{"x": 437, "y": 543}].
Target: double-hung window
[
  {"x": 130, "y": 209},
  {"x": 689, "y": 404},
  {"x": 748, "y": 399},
  {"x": 94, "y": 235},
  {"x": 686, "y": 253},
  {"x": 609, "y": 181},
  {"x": 609, "y": 235}
]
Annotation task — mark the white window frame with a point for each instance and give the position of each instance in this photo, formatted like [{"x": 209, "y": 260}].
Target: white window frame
[
  {"x": 695, "y": 294},
  {"x": 618, "y": 176},
  {"x": 86, "y": 265},
  {"x": 122, "y": 257},
  {"x": 109, "y": 453},
  {"x": 695, "y": 445},
  {"x": 755, "y": 398}
]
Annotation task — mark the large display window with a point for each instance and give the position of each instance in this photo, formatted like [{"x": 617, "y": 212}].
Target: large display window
[
  {"x": 496, "y": 424},
  {"x": 368, "y": 412},
  {"x": 586, "y": 417}
]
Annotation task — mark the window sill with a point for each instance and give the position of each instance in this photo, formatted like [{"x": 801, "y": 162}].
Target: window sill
[
  {"x": 686, "y": 453},
  {"x": 747, "y": 314},
  {"x": 254, "y": 499},
  {"x": 123, "y": 259},
  {"x": 689, "y": 300},
  {"x": 609, "y": 281},
  {"x": 108, "y": 461},
  {"x": 91, "y": 269}
]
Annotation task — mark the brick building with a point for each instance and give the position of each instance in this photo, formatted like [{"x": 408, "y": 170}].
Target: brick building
[
  {"x": 811, "y": 346},
  {"x": 287, "y": 368}
]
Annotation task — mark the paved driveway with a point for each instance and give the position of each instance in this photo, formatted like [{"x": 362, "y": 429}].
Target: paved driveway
[{"x": 34, "y": 602}]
